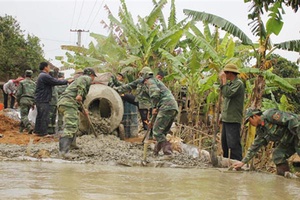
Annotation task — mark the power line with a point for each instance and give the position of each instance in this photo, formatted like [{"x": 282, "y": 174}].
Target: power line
[
  {"x": 90, "y": 14},
  {"x": 96, "y": 14},
  {"x": 73, "y": 17},
  {"x": 80, "y": 13}
]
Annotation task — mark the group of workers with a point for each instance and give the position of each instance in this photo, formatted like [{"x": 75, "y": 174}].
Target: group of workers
[{"x": 152, "y": 95}]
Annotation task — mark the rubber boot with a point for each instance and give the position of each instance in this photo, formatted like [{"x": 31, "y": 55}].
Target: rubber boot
[
  {"x": 74, "y": 144},
  {"x": 30, "y": 129},
  {"x": 21, "y": 127},
  {"x": 157, "y": 148},
  {"x": 64, "y": 146},
  {"x": 282, "y": 168},
  {"x": 167, "y": 148}
]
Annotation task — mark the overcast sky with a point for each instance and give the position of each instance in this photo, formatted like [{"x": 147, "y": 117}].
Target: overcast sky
[{"x": 52, "y": 20}]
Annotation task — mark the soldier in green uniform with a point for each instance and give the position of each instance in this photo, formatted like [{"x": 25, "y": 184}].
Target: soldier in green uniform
[
  {"x": 60, "y": 89},
  {"x": 69, "y": 105},
  {"x": 53, "y": 108},
  {"x": 141, "y": 99},
  {"x": 25, "y": 99},
  {"x": 165, "y": 107},
  {"x": 116, "y": 81},
  {"x": 277, "y": 126}
]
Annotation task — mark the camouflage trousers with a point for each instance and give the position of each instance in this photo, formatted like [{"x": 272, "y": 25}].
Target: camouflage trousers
[
  {"x": 283, "y": 151},
  {"x": 70, "y": 119},
  {"x": 24, "y": 110},
  {"x": 52, "y": 119},
  {"x": 163, "y": 123}
]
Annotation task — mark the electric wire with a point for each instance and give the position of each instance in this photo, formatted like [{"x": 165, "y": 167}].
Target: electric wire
[{"x": 80, "y": 13}]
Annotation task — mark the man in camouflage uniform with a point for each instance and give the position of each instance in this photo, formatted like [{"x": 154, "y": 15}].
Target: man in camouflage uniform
[
  {"x": 25, "y": 99},
  {"x": 277, "y": 126},
  {"x": 142, "y": 99},
  {"x": 69, "y": 105},
  {"x": 60, "y": 89},
  {"x": 116, "y": 81},
  {"x": 53, "y": 107},
  {"x": 164, "y": 106}
]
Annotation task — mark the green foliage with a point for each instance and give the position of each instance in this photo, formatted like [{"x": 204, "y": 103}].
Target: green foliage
[{"x": 17, "y": 51}]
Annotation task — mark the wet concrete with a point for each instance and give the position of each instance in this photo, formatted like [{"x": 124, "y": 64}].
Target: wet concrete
[{"x": 42, "y": 180}]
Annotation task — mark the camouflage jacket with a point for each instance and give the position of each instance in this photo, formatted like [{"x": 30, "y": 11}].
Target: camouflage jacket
[
  {"x": 233, "y": 93},
  {"x": 161, "y": 97},
  {"x": 80, "y": 86},
  {"x": 114, "y": 82},
  {"x": 277, "y": 126},
  {"x": 25, "y": 92},
  {"x": 60, "y": 89},
  {"x": 54, "y": 97},
  {"x": 141, "y": 92}
]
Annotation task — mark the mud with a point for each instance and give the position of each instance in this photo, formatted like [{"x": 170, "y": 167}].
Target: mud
[{"x": 103, "y": 150}]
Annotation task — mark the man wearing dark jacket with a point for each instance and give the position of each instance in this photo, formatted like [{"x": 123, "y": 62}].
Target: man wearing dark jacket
[{"x": 43, "y": 94}]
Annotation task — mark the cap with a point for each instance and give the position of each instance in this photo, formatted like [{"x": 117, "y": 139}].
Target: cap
[
  {"x": 89, "y": 71},
  {"x": 28, "y": 72},
  {"x": 251, "y": 112},
  {"x": 161, "y": 73},
  {"x": 231, "y": 68}
]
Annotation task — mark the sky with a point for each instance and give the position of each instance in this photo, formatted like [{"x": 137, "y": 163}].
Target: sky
[{"x": 54, "y": 21}]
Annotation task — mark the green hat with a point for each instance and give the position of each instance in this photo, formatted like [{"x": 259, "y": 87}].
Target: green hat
[
  {"x": 231, "y": 68},
  {"x": 251, "y": 112},
  {"x": 28, "y": 72},
  {"x": 89, "y": 71},
  {"x": 146, "y": 72}
]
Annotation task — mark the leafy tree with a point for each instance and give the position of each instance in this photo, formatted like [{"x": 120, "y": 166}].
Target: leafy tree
[{"x": 17, "y": 53}]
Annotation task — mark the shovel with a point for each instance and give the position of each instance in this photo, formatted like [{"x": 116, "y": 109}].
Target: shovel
[{"x": 89, "y": 120}]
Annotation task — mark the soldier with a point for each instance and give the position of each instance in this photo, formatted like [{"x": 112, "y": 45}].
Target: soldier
[
  {"x": 60, "y": 89},
  {"x": 164, "y": 106},
  {"x": 142, "y": 99},
  {"x": 25, "y": 99},
  {"x": 53, "y": 107},
  {"x": 116, "y": 81},
  {"x": 69, "y": 105},
  {"x": 277, "y": 126}
]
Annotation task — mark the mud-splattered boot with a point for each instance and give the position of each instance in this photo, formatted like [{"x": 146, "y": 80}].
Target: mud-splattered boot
[
  {"x": 74, "y": 144},
  {"x": 157, "y": 148},
  {"x": 29, "y": 129},
  {"x": 21, "y": 127},
  {"x": 282, "y": 168},
  {"x": 64, "y": 146},
  {"x": 167, "y": 148}
]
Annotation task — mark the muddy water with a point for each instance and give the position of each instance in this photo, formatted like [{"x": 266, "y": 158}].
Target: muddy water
[{"x": 40, "y": 180}]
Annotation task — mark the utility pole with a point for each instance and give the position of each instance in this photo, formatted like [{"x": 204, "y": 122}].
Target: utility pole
[{"x": 79, "y": 31}]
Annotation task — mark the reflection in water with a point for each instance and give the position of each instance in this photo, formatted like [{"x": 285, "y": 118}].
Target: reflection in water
[{"x": 41, "y": 180}]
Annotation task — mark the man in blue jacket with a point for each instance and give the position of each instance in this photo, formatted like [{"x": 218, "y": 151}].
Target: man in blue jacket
[{"x": 43, "y": 94}]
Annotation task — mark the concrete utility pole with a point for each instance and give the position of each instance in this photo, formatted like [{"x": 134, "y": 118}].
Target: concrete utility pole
[{"x": 79, "y": 31}]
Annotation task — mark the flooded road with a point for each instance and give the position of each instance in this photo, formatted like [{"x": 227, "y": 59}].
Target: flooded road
[{"x": 41, "y": 180}]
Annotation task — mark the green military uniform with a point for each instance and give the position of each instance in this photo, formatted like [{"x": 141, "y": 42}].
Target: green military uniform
[
  {"x": 281, "y": 127},
  {"x": 141, "y": 99},
  {"x": 25, "y": 99},
  {"x": 163, "y": 100},
  {"x": 60, "y": 89},
  {"x": 53, "y": 111},
  {"x": 69, "y": 107},
  {"x": 114, "y": 82}
]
